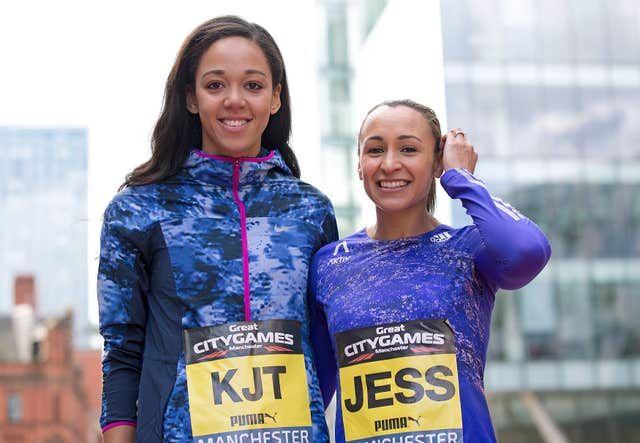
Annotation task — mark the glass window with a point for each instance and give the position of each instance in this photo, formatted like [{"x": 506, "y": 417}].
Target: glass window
[
  {"x": 587, "y": 22},
  {"x": 496, "y": 349},
  {"x": 600, "y": 123},
  {"x": 575, "y": 323},
  {"x": 455, "y": 22},
  {"x": 633, "y": 230},
  {"x": 625, "y": 135},
  {"x": 556, "y": 42},
  {"x": 623, "y": 31},
  {"x": 558, "y": 131},
  {"x": 489, "y": 131},
  {"x": 339, "y": 106},
  {"x": 518, "y": 22},
  {"x": 338, "y": 52},
  {"x": 616, "y": 310},
  {"x": 459, "y": 106},
  {"x": 538, "y": 317},
  {"x": 485, "y": 34},
  {"x": 525, "y": 120},
  {"x": 14, "y": 408}
]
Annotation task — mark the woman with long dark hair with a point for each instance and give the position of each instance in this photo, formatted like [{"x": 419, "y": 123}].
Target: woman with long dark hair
[{"x": 205, "y": 254}]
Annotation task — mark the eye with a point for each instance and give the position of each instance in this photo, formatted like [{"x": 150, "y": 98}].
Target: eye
[
  {"x": 253, "y": 86},
  {"x": 216, "y": 84},
  {"x": 374, "y": 150},
  {"x": 408, "y": 148}
]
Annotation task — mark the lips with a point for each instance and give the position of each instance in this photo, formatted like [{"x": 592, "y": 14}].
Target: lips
[{"x": 392, "y": 184}]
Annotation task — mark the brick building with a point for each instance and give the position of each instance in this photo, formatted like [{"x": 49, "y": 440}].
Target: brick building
[{"x": 49, "y": 393}]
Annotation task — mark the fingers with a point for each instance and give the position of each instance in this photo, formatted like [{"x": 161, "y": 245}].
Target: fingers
[{"x": 458, "y": 152}]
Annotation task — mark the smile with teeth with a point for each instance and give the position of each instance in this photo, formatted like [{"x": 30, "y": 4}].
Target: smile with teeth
[
  {"x": 392, "y": 184},
  {"x": 234, "y": 123}
]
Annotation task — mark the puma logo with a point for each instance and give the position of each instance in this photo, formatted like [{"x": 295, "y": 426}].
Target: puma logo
[{"x": 272, "y": 417}]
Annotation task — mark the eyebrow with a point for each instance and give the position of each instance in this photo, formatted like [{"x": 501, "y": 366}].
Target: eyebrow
[
  {"x": 405, "y": 136},
  {"x": 400, "y": 137},
  {"x": 221, "y": 72},
  {"x": 373, "y": 137}
]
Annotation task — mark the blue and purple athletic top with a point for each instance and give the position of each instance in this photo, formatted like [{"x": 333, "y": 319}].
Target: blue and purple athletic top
[
  {"x": 448, "y": 273},
  {"x": 224, "y": 240}
]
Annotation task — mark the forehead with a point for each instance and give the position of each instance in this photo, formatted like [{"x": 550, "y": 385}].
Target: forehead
[
  {"x": 397, "y": 120},
  {"x": 231, "y": 53}
]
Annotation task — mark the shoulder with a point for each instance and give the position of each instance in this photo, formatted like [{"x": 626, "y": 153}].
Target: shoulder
[
  {"x": 314, "y": 193},
  {"x": 464, "y": 239},
  {"x": 134, "y": 207},
  {"x": 300, "y": 189},
  {"x": 299, "y": 199},
  {"x": 343, "y": 247}
]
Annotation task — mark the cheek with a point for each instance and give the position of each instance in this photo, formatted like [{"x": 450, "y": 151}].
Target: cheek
[
  {"x": 365, "y": 171},
  {"x": 262, "y": 111}
]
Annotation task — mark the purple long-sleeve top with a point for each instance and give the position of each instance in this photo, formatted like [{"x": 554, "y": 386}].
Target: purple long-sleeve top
[{"x": 447, "y": 273}]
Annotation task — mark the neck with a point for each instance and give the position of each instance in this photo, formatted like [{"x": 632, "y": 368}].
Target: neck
[
  {"x": 246, "y": 153},
  {"x": 393, "y": 226}
]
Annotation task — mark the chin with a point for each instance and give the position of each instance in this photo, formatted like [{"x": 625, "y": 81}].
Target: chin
[
  {"x": 400, "y": 208},
  {"x": 392, "y": 208}
]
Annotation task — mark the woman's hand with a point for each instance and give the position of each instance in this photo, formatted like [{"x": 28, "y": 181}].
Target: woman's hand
[{"x": 457, "y": 151}]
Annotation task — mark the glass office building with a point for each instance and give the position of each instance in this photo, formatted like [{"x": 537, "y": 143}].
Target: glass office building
[
  {"x": 548, "y": 91},
  {"x": 43, "y": 208}
]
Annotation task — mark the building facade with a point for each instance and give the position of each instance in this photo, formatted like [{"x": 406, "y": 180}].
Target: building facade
[
  {"x": 49, "y": 393},
  {"x": 548, "y": 91},
  {"x": 43, "y": 208}
]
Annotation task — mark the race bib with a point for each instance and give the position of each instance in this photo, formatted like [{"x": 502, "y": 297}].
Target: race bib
[
  {"x": 399, "y": 383},
  {"x": 247, "y": 383}
]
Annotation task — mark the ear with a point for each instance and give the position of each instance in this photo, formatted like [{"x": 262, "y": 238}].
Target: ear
[
  {"x": 275, "y": 99},
  {"x": 192, "y": 103},
  {"x": 438, "y": 169},
  {"x": 359, "y": 170}
]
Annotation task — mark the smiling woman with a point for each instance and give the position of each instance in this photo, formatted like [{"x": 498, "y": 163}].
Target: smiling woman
[
  {"x": 234, "y": 97},
  {"x": 431, "y": 284},
  {"x": 398, "y": 168},
  {"x": 205, "y": 254}
]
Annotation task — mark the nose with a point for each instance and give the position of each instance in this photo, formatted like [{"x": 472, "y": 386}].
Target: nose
[
  {"x": 390, "y": 162},
  {"x": 234, "y": 98}
]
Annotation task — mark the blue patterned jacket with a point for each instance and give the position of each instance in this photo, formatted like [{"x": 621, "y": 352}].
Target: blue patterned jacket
[{"x": 224, "y": 240}]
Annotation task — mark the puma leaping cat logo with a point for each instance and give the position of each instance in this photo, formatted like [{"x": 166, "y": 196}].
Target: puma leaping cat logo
[{"x": 272, "y": 417}]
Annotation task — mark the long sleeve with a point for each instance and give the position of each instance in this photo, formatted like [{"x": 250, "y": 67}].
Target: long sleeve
[
  {"x": 122, "y": 287},
  {"x": 320, "y": 338},
  {"x": 514, "y": 248}
]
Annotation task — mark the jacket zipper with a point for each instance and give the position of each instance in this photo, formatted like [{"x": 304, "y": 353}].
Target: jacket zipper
[
  {"x": 237, "y": 163},
  {"x": 245, "y": 247}
]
